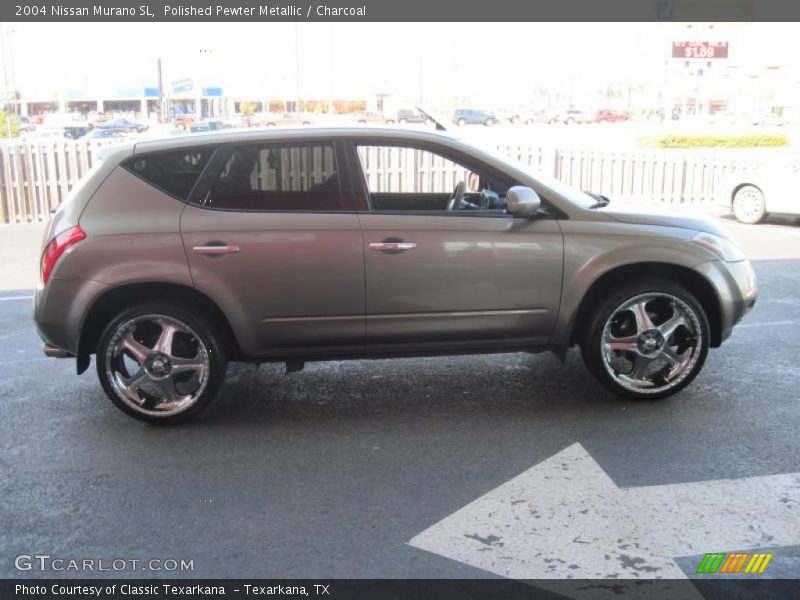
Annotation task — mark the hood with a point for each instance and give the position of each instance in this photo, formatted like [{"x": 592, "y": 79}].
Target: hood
[{"x": 643, "y": 216}]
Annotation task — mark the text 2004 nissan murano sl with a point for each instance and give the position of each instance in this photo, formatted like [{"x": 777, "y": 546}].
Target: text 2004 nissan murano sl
[{"x": 173, "y": 257}]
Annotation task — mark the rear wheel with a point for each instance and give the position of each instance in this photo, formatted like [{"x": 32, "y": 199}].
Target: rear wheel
[
  {"x": 647, "y": 340},
  {"x": 160, "y": 363},
  {"x": 489, "y": 122},
  {"x": 749, "y": 205},
  {"x": 462, "y": 122}
]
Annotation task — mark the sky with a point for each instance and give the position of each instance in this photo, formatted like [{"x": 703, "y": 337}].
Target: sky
[{"x": 350, "y": 60}]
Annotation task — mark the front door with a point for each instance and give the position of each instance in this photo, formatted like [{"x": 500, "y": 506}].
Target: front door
[
  {"x": 273, "y": 241},
  {"x": 445, "y": 269}
]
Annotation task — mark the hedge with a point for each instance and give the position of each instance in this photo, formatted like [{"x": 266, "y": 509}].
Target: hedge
[{"x": 754, "y": 140}]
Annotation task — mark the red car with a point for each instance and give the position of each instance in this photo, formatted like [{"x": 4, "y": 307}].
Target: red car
[{"x": 610, "y": 116}]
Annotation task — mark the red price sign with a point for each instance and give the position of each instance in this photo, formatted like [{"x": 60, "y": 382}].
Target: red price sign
[{"x": 704, "y": 50}]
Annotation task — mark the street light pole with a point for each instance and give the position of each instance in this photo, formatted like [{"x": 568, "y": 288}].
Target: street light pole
[
  {"x": 5, "y": 78},
  {"x": 296, "y": 68},
  {"x": 13, "y": 70}
]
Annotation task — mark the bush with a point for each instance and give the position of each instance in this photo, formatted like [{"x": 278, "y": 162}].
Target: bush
[{"x": 753, "y": 140}]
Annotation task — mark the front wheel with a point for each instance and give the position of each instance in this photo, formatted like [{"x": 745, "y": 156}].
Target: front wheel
[
  {"x": 647, "y": 340},
  {"x": 160, "y": 363}
]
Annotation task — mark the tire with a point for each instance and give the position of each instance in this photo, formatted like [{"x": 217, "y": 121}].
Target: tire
[
  {"x": 569, "y": 121},
  {"x": 670, "y": 359},
  {"x": 402, "y": 121},
  {"x": 129, "y": 350},
  {"x": 427, "y": 122},
  {"x": 462, "y": 122},
  {"x": 749, "y": 205},
  {"x": 390, "y": 122},
  {"x": 489, "y": 122}
]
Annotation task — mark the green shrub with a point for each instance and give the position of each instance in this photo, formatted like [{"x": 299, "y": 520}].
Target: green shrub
[{"x": 753, "y": 140}]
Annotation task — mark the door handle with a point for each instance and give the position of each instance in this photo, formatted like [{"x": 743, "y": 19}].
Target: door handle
[
  {"x": 211, "y": 249},
  {"x": 392, "y": 247}
]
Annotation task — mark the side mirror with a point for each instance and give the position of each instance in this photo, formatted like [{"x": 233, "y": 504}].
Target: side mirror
[{"x": 522, "y": 201}]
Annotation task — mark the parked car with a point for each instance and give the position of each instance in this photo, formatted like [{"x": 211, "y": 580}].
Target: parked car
[
  {"x": 535, "y": 116},
  {"x": 123, "y": 125},
  {"x": 206, "y": 126},
  {"x": 412, "y": 116},
  {"x": 508, "y": 114},
  {"x": 753, "y": 194},
  {"x": 606, "y": 115},
  {"x": 573, "y": 115},
  {"x": 471, "y": 116},
  {"x": 69, "y": 132},
  {"x": 175, "y": 256},
  {"x": 769, "y": 119},
  {"x": 104, "y": 134},
  {"x": 371, "y": 117},
  {"x": 280, "y": 119},
  {"x": 25, "y": 125}
]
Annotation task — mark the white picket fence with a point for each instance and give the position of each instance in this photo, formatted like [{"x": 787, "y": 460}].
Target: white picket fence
[{"x": 35, "y": 177}]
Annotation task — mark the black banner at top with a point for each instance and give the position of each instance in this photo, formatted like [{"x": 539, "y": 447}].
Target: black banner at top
[{"x": 398, "y": 10}]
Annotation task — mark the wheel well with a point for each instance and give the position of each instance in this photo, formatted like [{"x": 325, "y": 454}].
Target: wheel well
[
  {"x": 118, "y": 299},
  {"x": 695, "y": 283},
  {"x": 740, "y": 186}
]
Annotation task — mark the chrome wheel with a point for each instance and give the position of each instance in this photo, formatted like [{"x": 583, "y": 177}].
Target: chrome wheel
[
  {"x": 651, "y": 343},
  {"x": 157, "y": 365}
]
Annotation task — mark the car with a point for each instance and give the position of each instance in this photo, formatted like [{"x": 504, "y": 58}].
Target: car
[
  {"x": 769, "y": 119},
  {"x": 607, "y": 115},
  {"x": 103, "y": 134},
  {"x": 753, "y": 194},
  {"x": 173, "y": 257},
  {"x": 511, "y": 115},
  {"x": 412, "y": 116},
  {"x": 371, "y": 117},
  {"x": 123, "y": 125},
  {"x": 280, "y": 119},
  {"x": 69, "y": 132},
  {"x": 206, "y": 126},
  {"x": 573, "y": 115},
  {"x": 471, "y": 116}
]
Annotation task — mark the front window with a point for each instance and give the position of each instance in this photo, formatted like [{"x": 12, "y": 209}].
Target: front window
[{"x": 402, "y": 178}]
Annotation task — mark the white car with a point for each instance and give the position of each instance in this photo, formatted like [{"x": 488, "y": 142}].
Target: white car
[{"x": 753, "y": 194}]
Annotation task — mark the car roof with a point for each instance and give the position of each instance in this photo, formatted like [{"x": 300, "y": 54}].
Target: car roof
[{"x": 288, "y": 133}]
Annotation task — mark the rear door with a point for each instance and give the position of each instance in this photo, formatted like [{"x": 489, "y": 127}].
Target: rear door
[{"x": 273, "y": 240}]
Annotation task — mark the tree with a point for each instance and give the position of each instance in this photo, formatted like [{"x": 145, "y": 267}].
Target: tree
[
  {"x": 247, "y": 108},
  {"x": 4, "y": 125}
]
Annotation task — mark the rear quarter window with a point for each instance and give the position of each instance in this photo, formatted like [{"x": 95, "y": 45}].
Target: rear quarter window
[{"x": 173, "y": 171}]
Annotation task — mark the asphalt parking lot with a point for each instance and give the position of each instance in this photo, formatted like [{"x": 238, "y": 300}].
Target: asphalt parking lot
[{"x": 333, "y": 471}]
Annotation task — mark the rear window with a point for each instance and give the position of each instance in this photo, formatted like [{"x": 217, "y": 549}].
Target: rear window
[{"x": 173, "y": 171}]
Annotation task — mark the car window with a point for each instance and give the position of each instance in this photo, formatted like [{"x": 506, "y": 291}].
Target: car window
[
  {"x": 175, "y": 171},
  {"x": 280, "y": 177},
  {"x": 417, "y": 179}
]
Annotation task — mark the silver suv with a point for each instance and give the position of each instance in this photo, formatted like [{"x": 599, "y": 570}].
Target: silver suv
[{"x": 173, "y": 257}]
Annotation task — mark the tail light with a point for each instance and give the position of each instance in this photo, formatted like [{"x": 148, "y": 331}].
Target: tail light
[{"x": 57, "y": 246}]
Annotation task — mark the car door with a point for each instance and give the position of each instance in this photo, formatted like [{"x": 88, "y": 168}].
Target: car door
[
  {"x": 271, "y": 238},
  {"x": 463, "y": 277}
]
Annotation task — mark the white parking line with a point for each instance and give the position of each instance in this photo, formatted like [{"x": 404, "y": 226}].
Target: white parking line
[
  {"x": 769, "y": 324},
  {"x": 16, "y": 298}
]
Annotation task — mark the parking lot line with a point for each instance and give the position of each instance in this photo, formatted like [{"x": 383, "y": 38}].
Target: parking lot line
[
  {"x": 16, "y": 298},
  {"x": 768, "y": 324}
]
